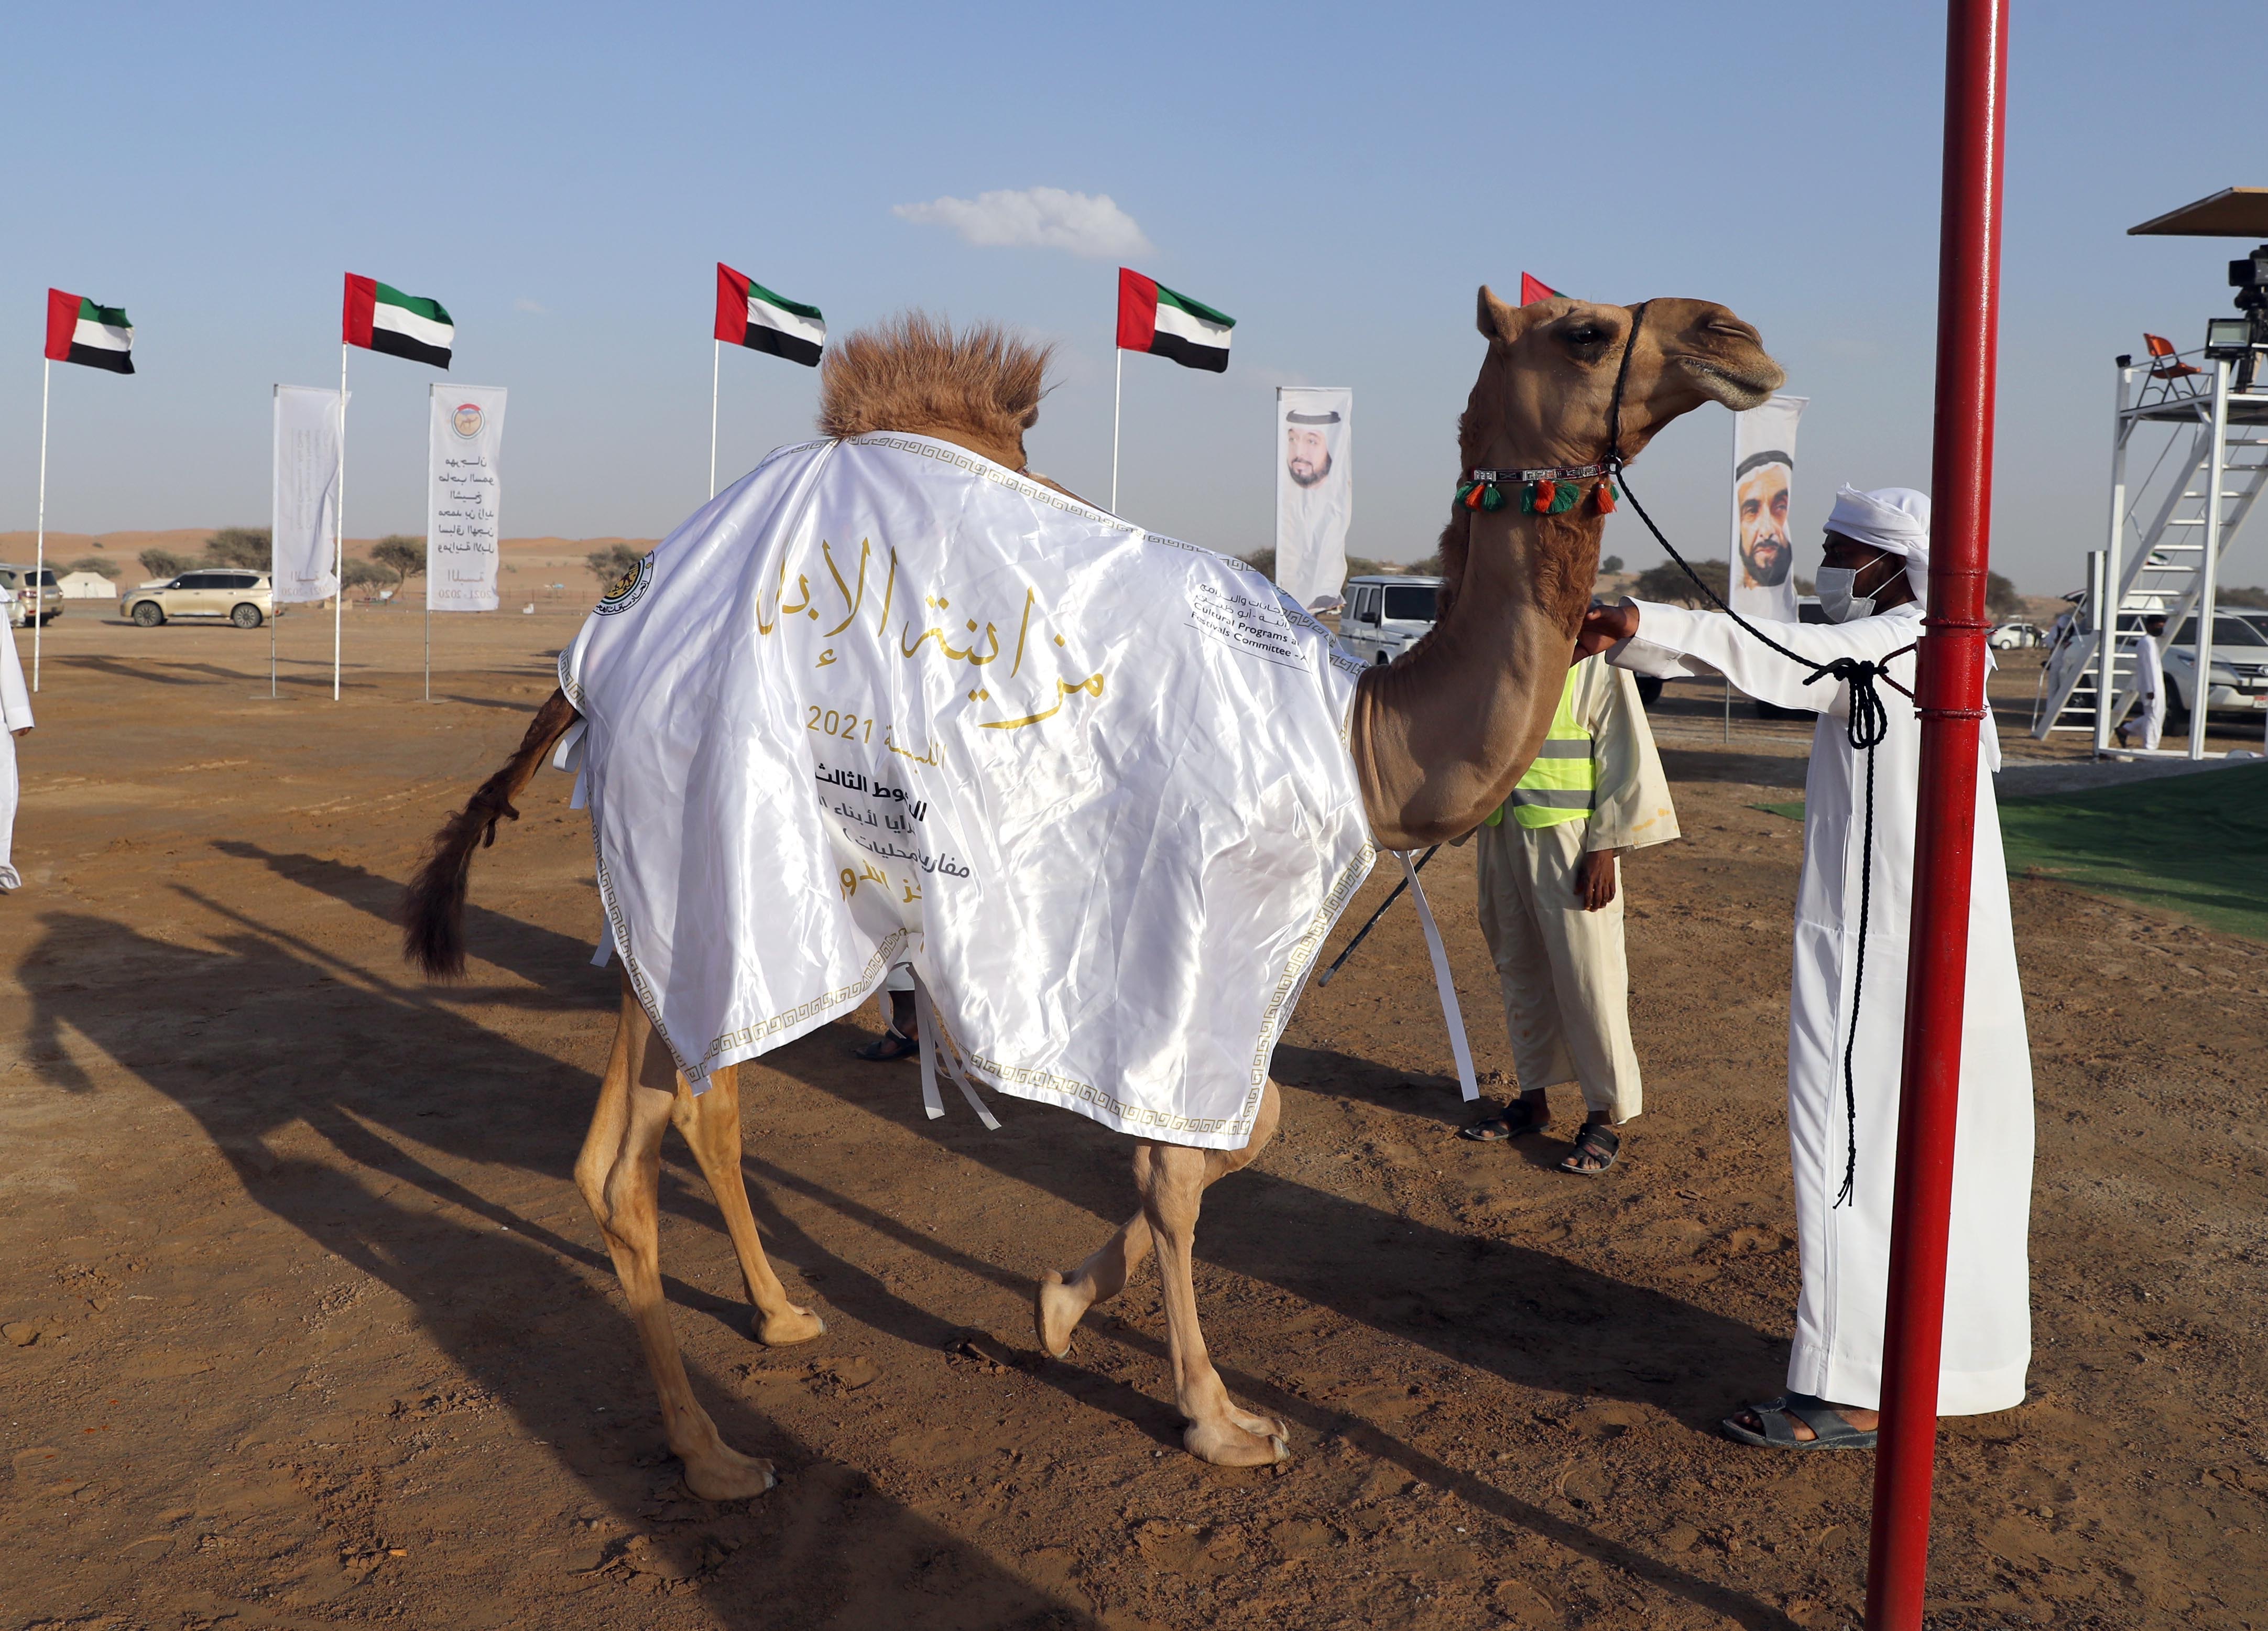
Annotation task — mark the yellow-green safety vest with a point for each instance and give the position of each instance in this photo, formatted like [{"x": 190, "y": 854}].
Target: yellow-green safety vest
[{"x": 1562, "y": 784}]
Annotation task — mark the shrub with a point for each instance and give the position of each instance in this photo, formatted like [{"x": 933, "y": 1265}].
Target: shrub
[
  {"x": 1613, "y": 563},
  {"x": 362, "y": 574},
  {"x": 2000, "y": 597},
  {"x": 238, "y": 546},
  {"x": 609, "y": 564},
  {"x": 1667, "y": 583},
  {"x": 100, "y": 565},
  {"x": 2235, "y": 596},
  {"x": 400, "y": 555},
  {"x": 163, "y": 562}
]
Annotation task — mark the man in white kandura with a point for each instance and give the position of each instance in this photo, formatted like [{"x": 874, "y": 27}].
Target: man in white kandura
[
  {"x": 1871, "y": 589},
  {"x": 15, "y": 720},
  {"x": 1553, "y": 915},
  {"x": 2149, "y": 686}
]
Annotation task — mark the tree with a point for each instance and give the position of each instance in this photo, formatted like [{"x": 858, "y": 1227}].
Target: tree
[
  {"x": 608, "y": 564},
  {"x": 2235, "y": 595},
  {"x": 238, "y": 546},
  {"x": 402, "y": 555},
  {"x": 362, "y": 574},
  {"x": 1669, "y": 583},
  {"x": 101, "y": 564},
  {"x": 1613, "y": 563},
  {"x": 163, "y": 562},
  {"x": 2000, "y": 597}
]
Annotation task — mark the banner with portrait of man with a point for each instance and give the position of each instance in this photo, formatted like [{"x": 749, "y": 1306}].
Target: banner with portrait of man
[
  {"x": 1763, "y": 558},
  {"x": 1315, "y": 492}
]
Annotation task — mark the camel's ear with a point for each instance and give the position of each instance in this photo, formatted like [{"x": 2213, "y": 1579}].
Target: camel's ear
[{"x": 1496, "y": 320}]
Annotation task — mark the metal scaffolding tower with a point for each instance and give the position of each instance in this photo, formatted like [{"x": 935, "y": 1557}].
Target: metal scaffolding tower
[
  {"x": 2163, "y": 556},
  {"x": 2196, "y": 496}
]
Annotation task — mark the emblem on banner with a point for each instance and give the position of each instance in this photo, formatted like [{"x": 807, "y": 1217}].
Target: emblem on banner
[
  {"x": 627, "y": 590},
  {"x": 467, "y": 420}
]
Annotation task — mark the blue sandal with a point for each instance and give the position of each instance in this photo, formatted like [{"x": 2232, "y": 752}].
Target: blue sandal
[{"x": 1779, "y": 1416}]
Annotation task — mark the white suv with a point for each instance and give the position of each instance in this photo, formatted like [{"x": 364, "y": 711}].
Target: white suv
[
  {"x": 1385, "y": 617},
  {"x": 235, "y": 593},
  {"x": 16, "y": 584}
]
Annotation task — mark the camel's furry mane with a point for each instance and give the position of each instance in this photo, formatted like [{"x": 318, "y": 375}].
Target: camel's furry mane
[{"x": 913, "y": 372}]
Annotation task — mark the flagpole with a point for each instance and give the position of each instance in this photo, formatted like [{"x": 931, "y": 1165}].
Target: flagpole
[
  {"x": 430, "y": 389},
  {"x": 39, "y": 589},
  {"x": 1117, "y": 391},
  {"x": 715, "y": 368},
  {"x": 339, "y": 532}
]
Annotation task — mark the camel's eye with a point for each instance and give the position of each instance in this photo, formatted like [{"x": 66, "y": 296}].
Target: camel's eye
[{"x": 1589, "y": 334}]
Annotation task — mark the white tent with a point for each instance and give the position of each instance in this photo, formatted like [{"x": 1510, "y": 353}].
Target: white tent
[{"x": 87, "y": 586}]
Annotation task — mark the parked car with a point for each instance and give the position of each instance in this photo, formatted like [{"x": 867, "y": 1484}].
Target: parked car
[
  {"x": 2240, "y": 666},
  {"x": 240, "y": 596},
  {"x": 1385, "y": 617},
  {"x": 2016, "y": 636},
  {"x": 16, "y": 584}
]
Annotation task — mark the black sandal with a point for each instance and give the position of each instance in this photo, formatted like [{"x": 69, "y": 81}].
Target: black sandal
[
  {"x": 1596, "y": 1142},
  {"x": 1513, "y": 1120},
  {"x": 891, "y": 1045},
  {"x": 1779, "y": 1416}
]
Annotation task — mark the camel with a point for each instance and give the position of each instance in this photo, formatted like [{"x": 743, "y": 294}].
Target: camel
[{"x": 1439, "y": 739}]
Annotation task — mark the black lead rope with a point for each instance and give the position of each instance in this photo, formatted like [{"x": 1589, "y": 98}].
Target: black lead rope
[{"x": 1868, "y": 723}]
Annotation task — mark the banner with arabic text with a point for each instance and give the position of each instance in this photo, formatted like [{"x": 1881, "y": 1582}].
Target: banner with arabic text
[
  {"x": 304, "y": 507},
  {"x": 464, "y": 471}
]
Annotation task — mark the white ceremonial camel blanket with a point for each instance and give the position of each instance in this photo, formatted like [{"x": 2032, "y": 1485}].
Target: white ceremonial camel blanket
[{"x": 883, "y": 701}]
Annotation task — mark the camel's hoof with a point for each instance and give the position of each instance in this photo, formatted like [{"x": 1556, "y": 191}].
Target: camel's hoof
[
  {"x": 1057, "y": 1311},
  {"x": 797, "y": 1325},
  {"x": 725, "y": 1474},
  {"x": 1225, "y": 1445}
]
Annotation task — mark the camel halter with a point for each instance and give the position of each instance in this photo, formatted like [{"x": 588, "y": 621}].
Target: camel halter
[{"x": 1868, "y": 723}]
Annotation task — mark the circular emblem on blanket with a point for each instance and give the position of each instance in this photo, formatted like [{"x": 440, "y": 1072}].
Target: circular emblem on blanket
[
  {"x": 628, "y": 589},
  {"x": 467, "y": 421}
]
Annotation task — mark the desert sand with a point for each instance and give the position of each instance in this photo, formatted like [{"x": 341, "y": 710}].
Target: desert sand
[{"x": 306, "y": 1325}]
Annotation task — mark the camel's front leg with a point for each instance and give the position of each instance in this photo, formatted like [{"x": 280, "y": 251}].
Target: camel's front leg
[
  {"x": 710, "y": 1122},
  {"x": 619, "y": 1172}
]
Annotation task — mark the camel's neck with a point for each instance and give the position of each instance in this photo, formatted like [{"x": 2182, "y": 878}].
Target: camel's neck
[{"x": 1440, "y": 735}]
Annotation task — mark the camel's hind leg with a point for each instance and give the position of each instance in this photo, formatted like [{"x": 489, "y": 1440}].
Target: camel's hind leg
[
  {"x": 1173, "y": 1179},
  {"x": 710, "y": 1122},
  {"x": 620, "y": 1175}
]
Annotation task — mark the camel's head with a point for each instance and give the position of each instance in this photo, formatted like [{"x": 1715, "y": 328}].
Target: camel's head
[{"x": 1544, "y": 395}]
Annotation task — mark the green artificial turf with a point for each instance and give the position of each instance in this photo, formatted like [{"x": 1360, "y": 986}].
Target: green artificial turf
[{"x": 2194, "y": 845}]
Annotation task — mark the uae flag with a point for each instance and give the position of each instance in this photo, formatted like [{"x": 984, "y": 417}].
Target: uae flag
[
  {"x": 1535, "y": 289},
  {"x": 1153, "y": 318},
  {"x": 750, "y": 315},
  {"x": 384, "y": 318},
  {"x": 80, "y": 331}
]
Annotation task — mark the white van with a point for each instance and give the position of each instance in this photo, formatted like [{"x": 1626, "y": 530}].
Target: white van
[{"x": 1386, "y": 615}]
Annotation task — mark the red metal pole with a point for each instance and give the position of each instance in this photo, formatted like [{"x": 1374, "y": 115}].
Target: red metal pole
[{"x": 1952, "y": 696}]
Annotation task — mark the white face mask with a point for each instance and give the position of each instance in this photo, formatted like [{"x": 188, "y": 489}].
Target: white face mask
[{"x": 1836, "y": 599}]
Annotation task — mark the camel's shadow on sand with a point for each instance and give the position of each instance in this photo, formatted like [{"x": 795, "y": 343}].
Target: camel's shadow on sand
[{"x": 372, "y": 1065}]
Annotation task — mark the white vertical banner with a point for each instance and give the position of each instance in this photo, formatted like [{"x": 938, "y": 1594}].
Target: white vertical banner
[
  {"x": 304, "y": 510},
  {"x": 1315, "y": 492},
  {"x": 464, "y": 473},
  {"x": 1762, "y": 555}
]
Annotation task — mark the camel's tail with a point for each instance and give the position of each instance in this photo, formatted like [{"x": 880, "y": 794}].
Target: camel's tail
[{"x": 433, "y": 911}]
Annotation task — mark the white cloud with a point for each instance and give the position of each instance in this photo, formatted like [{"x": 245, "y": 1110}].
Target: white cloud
[
  {"x": 1038, "y": 217},
  {"x": 525, "y": 305}
]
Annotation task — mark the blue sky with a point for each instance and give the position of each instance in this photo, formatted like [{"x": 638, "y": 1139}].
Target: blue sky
[{"x": 1339, "y": 178}]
